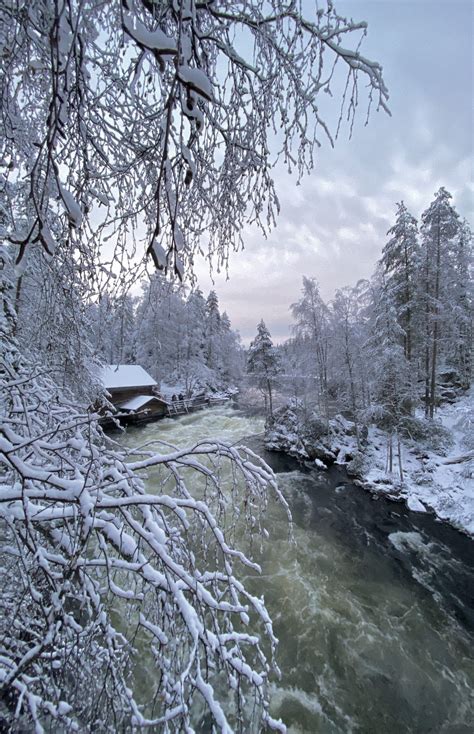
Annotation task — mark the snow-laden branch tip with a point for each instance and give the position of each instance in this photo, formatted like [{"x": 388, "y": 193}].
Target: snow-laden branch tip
[
  {"x": 124, "y": 112},
  {"x": 91, "y": 556}
]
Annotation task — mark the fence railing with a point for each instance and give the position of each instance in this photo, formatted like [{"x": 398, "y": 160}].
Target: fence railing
[{"x": 189, "y": 405}]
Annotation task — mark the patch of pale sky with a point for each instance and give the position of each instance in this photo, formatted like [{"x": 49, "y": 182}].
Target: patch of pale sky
[{"x": 334, "y": 225}]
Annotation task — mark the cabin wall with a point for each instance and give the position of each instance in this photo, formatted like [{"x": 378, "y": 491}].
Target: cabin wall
[
  {"x": 155, "y": 408},
  {"x": 122, "y": 394},
  {"x": 148, "y": 413}
]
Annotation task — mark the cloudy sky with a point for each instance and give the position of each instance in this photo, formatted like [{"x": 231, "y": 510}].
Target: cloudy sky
[{"x": 333, "y": 226}]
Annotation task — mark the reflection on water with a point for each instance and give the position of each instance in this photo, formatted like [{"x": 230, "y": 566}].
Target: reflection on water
[{"x": 372, "y": 606}]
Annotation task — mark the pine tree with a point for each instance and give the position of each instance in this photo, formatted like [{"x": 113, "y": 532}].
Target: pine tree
[
  {"x": 400, "y": 262},
  {"x": 264, "y": 363},
  {"x": 312, "y": 326},
  {"x": 439, "y": 228}
]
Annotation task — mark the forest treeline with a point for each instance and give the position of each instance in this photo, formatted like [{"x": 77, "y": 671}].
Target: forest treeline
[
  {"x": 402, "y": 339},
  {"x": 379, "y": 349},
  {"x": 177, "y": 335}
]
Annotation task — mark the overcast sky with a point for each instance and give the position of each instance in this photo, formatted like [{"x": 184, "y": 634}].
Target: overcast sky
[{"x": 334, "y": 225}]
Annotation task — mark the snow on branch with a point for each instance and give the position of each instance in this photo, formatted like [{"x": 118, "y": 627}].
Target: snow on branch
[
  {"x": 105, "y": 552},
  {"x": 165, "y": 117}
]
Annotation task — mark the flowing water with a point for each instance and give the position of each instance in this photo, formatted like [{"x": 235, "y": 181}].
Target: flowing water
[{"x": 373, "y": 606}]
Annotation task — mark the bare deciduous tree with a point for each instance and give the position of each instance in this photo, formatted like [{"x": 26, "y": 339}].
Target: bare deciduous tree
[
  {"x": 94, "y": 564},
  {"x": 126, "y": 120},
  {"x": 159, "y": 116}
]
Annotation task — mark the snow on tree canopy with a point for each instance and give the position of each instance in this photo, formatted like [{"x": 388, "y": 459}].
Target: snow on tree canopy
[
  {"x": 72, "y": 207},
  {"x": 125, "y": 375},
  {"x": 156, "y": 40},
  {"x": 196, "y": 79},
  {"x": 173, "y": 75}
]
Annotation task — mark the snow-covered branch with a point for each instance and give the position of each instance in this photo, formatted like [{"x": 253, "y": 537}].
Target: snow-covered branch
[
  {"x": 161, "y": 123},
  {"x": 95, "y": 566}
]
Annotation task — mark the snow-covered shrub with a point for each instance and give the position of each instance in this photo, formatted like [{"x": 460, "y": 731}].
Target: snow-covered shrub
[
  {"x": 312, "y": 428},
  {"x": 282, "y": 432},
  {"x": 358, "y": 465},
  {"x": 305, "y": 436},
  {"x": 427, "y": 434}
]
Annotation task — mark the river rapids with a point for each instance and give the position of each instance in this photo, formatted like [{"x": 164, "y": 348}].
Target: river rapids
[{"x": 373, "y": 605}]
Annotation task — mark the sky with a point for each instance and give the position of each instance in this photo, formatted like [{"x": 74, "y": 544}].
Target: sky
[{"x": 333, "y": 226}]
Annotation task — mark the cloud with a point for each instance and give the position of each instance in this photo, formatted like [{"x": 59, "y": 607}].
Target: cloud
[{"x": 333, "y": 226}]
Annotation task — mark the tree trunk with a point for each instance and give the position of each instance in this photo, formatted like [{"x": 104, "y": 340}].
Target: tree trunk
[
  {"x": 434, "y": 353},
  {"x": 408, "y": 309},
  {"x": 400, "y": 467},
  {"x": 17, "y": 303},
  {"x": 434, "y": 357},
  {"x": 270, "y": 398}
]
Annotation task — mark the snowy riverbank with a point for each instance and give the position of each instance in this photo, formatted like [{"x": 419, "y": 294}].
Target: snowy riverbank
[{"x": 438, "y": 464}]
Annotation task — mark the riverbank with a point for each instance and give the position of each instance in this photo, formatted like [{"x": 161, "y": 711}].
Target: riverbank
[
  {"x": 369, "y": 598},
  {"x": 437, "y": 460}
]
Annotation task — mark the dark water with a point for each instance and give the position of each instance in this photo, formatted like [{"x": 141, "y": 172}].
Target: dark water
[
  {"x": 373, "y": 605},
  {"x": 374, "y": 612}
]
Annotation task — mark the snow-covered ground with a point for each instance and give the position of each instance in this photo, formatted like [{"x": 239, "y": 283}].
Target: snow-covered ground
[
  {"x": 438, "y": 470},
  {"x": 440, "y": 479}
]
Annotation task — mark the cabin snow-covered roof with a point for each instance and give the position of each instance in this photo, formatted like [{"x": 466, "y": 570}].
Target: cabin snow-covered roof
[
  {"x": 114, "y": 376},
  {"x": 139, "y": 402}
]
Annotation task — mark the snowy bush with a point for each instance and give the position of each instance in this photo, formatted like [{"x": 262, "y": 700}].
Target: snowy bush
[
  {"x": 305, "y": 436},
  {"x": 428, "y": 435},
  {"x": 358, "y": 465}
]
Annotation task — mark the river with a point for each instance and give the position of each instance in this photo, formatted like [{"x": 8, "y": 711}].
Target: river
[{"x": 373, "y": 605}]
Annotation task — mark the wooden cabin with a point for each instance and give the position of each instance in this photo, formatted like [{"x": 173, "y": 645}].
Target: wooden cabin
[{"x": 133, "y": 392}]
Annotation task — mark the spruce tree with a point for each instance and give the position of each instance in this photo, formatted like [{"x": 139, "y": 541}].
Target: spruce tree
[
  {"x": 212, "y": 330},
  {"x": 263, "y": 362},
  {"x": 400, "y": 259},
  {"x": 440, "y": 226}
]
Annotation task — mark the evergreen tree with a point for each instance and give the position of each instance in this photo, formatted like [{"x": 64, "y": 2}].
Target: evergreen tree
[
  {"x": 400, "y": 262},
  {"x": 232, "y": 357},
  {"x": 440, "y": 227},
  {"x": 348, "y": 359},
  {"x": 160, "y": 342},
  {"x": 312, "y": 326},
  {"x": 195, "y": 326},
  {"x": 263, "y": 362},
  {"x": 392, "y": 392},
  {"x": 212, "y": 331}
]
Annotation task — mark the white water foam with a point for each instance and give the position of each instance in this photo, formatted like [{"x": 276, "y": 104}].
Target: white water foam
[{"x": 410, "y": 541}]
